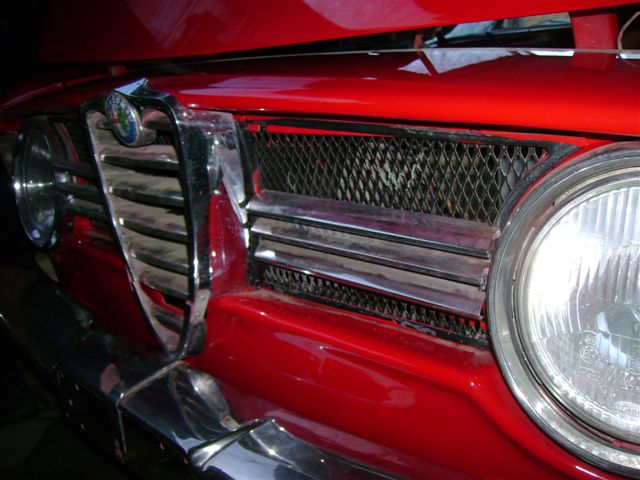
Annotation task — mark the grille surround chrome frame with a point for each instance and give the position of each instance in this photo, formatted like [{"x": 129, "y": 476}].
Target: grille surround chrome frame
[{"x": 195, "y": 136}]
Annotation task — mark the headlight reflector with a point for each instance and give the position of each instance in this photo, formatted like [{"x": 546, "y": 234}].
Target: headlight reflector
[
  {"x": 564, "y": 307},
  {"x": 35, "y": 185},
  {"x": 579, "y": 307}
]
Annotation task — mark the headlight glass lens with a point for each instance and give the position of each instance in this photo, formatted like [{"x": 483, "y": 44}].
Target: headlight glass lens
[
  {"x": 578, "y": 307},
  {"x": 35, "y": 184}
]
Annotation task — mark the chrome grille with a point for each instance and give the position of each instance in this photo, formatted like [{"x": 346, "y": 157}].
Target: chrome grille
[
  {"x": 158, "y": 195},
  {"x": 392, "y": 221},
  {"x": 145, "y": 195},
  {"x": 468, "y": 177},
  {"x": 422, "y": 270}
]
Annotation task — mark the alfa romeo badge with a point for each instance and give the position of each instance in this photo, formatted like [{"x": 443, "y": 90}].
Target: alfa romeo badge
[{"x": 125, "y": 119}]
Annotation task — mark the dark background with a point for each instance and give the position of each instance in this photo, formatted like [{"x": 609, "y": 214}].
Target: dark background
[
  {"x": 35, "y": 442},
  {"x": 21, "y": 27}
]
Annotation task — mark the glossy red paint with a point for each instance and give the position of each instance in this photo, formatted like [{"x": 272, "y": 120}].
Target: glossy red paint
[
  {"x": 396, "y": 394},
  {"x": 595, "y": 29},
  {"x": 144, "y": 29},
  {"x": 577, "y": 92},
  {"x": 492, "y": 88},
  {"x": 93, "y": 273}
]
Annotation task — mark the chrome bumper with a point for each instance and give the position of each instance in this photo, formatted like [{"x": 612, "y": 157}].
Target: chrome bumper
[{"x": 165, "y": 419}]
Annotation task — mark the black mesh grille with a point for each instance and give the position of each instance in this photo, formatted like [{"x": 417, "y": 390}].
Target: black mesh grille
[
  {"x": 454, "y": 178},
  {"x": 408, "y": 314}
]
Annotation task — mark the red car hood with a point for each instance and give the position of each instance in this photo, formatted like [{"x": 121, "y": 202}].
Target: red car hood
[
  {"x": 552, "y": 90},
  {"x": 125, "y": 30}
]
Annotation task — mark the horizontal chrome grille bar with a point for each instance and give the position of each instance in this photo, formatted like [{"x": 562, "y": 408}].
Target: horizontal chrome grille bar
[
  {"x": 159, "y": 253},
  {"x": 435, "y": 292},
  {"x": 154, "y": 157},
  {"x": 157, "y": 122},
  {"x": 155, "y": 229},
  {"x": 79, "y": 190},
  {"x": 169, "y": 283},
  {"x": 164, "y": 191},
  {"x": 157, "y": 222},
  {"x": 87, "y": 209},
  {"x": 78, "y": 169},
  {"x": 427, "y": 261},
  {"x": 452, "y": 235}
]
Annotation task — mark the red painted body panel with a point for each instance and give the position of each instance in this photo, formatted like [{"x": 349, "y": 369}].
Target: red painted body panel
[
  {"x": 410, "y": 395},
  {"x": 584, "y": 92},
  {"x": 143, "y": 29},
  {"x": 93, "y": 272},
  {"x": 581, "y": 92},
  {"x": 595, "y": 29}
]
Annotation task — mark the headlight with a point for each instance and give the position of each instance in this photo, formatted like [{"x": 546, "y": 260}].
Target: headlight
[
  {"x": 564, "y": 307},
  {"x": 34, "y": 183}
]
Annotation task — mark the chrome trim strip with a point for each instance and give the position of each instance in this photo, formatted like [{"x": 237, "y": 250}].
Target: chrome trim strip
[
  {"x": 159, "y": 253},
  {"x": 156, "y": 161},
  {"x": 427, "y": 261},
  {"x": 435, "y": 292},
  {"x": 268, "y": 451},
  {"x": 86, "y": 209},
  {"x": 157, "y": 222},
  {"x": 431, "y": 231},
  {"x": 231, "y": 169},
  {"x": 84, "y": 191},
  {"x": 77, "y": 169},
  {"x": 162, "y": 191},
  {"x": 164, "y": 281}
]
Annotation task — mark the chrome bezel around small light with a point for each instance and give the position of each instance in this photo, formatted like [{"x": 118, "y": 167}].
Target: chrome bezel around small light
[
  {"x": 47, "y": 236},
  {"x": 544, "y": 405}
]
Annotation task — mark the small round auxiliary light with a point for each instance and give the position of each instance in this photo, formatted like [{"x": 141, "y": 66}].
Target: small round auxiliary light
[{"x": 34, "y": 184}]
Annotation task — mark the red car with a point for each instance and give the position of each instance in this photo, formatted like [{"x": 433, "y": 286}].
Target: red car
[{"x": 313, "y": 239}]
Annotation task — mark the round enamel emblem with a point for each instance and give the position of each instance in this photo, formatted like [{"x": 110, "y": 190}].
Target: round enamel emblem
[{"x": 124, "y": 118}]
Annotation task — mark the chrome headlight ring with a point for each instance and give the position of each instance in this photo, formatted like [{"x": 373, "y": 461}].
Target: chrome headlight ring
[
  {"x": 37, "y": 148},
  {"x": 547, "y": 322}
]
